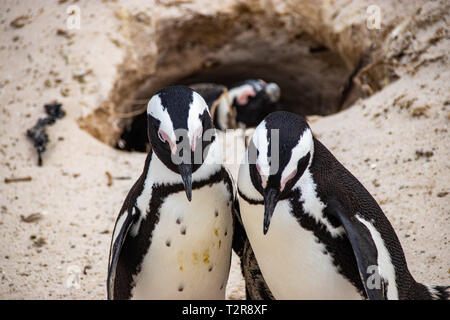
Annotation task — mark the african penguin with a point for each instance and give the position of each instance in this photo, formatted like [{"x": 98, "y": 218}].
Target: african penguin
[
  {"x": 173, "y": 236},
  {"x": 245, "y": 103},
  {"x": 315, "y": 231}
]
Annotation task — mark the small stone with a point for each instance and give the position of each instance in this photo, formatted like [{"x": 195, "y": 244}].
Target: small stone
[
  {"x": 39, "y": 242},
  {"x": 31, "y": 218},
  {"x": 86, "y": 268},
  {"x": 19, "y": 22},
  {"x": 423, "y": 154}
]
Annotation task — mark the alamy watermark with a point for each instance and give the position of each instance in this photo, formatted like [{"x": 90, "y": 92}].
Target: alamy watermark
[
  {"x": 74, "y": 19},
  {"x": 374, "y": 279},
  {"x": 73, "y": 277},
  {"x": 373, "y": 20}
]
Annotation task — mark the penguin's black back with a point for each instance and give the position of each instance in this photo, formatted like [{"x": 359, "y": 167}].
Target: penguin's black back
[{"x": 334, "y": 180}]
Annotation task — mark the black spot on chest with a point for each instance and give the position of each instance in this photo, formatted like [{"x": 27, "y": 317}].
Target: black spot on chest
[{"x": 135, "y": 248}]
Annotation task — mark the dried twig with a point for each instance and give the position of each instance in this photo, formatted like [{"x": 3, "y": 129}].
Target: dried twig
[
  {"x": 31, "y": 218},
  {"x": 23, "y": 179}
]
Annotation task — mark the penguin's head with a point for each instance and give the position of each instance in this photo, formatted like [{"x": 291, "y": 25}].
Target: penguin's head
[
  {"x": 180, "y": 130},
  {"x": 253, "y": 100},
  {"x": 279, "y": 152}
]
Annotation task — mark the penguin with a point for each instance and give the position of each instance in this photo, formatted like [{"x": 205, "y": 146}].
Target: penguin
[
  {"x": 254, "y": 100},
  {"x": 173, "y": 236},
  {"x": 315, "y": 231},
  {"x": 242, "y": 104}
]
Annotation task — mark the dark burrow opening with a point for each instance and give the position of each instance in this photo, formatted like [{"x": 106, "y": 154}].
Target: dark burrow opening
[{"x": 315, "y": 86}]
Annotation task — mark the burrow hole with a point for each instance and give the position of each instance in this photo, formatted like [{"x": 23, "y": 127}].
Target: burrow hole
[{"x": 313, "y": 79}]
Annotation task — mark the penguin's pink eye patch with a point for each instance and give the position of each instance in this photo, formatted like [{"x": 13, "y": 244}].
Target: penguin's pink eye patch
[
  {"x": 289, "y": 177},
  {"x": 243, "y": 98},
  {"x": 164, "y": 137},
  {"x": 197, "y": 135},
  {"x": 263, "y": 177}
]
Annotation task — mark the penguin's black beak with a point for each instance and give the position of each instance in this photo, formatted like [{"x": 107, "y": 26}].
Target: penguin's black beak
[
  {"x": 186, "y": 175},
  {"x": 271, "y": 196}
]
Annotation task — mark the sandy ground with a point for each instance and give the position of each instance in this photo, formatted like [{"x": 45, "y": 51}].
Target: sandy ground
[{"x": 396, "y": 142}]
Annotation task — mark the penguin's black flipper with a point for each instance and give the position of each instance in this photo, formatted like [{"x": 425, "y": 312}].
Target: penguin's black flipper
[
  {"x": 116, "y": 247},
  {"x": 256, "y": 287},
  {"x": 239, "y": 235},
  {"x": 364, "y": 248}
]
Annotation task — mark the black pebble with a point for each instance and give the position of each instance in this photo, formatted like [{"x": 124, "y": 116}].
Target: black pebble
[{"x": 38, "y": 134}]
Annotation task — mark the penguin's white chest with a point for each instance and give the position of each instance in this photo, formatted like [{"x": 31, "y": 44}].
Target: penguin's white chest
[
  {"x": 190, "y": 252},
  {"x": 294, "y": 264}
]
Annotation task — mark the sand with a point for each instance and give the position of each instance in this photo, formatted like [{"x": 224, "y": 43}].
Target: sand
[{"x": 395, "y": 141}]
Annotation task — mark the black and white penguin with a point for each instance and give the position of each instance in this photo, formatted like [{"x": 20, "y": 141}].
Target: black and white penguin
[
  {"x": 244, "y": 103},
  {"x": 315, "y": 231},
  {"x": 173, "y": 236},
  {"x": 254, "y": 100}
]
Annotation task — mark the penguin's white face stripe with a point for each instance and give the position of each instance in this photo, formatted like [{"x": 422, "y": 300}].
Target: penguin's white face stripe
[
  {"x": 385, "y": 266},
  {"x": 260, "y": 141},
  {"x": 305, "y": 144},
  {"x": 157, "y": 111},
  {"x": 197, "y": 107}
]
